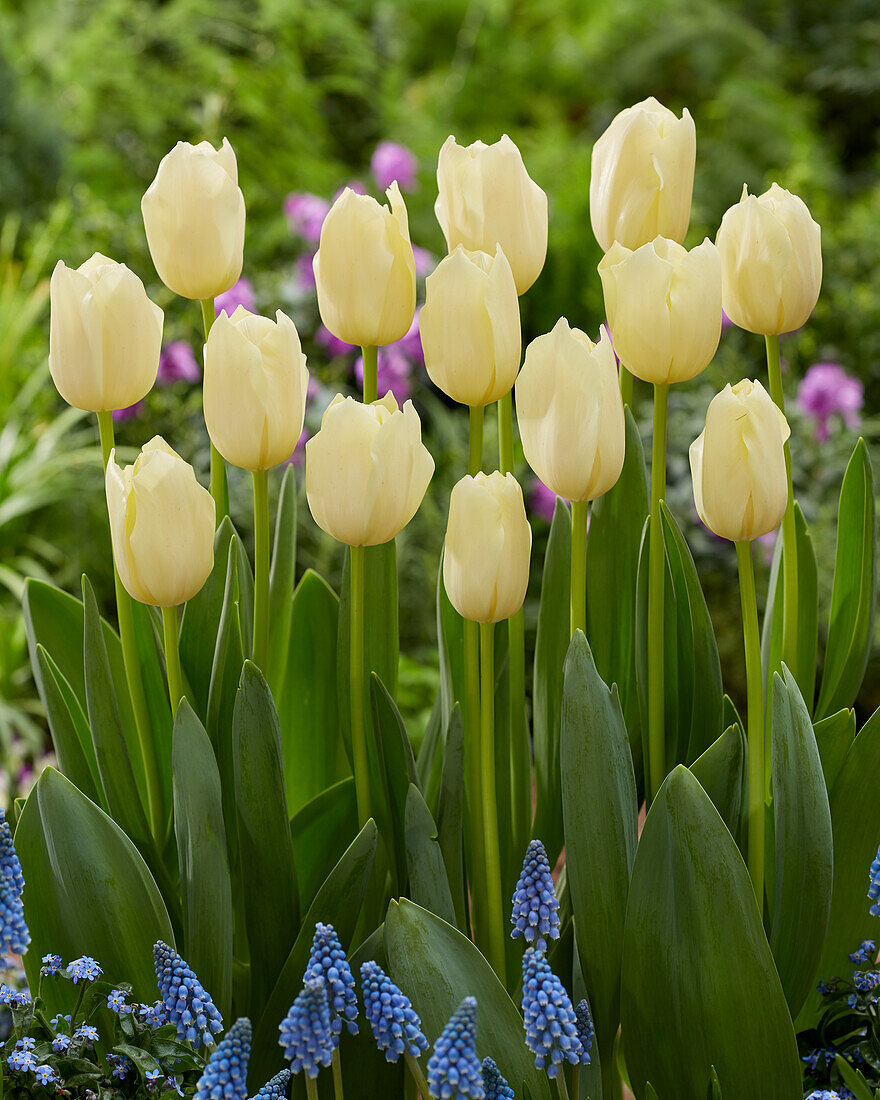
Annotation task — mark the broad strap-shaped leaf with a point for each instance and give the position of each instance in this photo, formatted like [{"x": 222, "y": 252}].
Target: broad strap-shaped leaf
[
  {"x": 267, "y": 868},
  {"x": 152, "y": 665},
  {"x": 428, "y": 884},
  {"x": 551, "y": 645},
  {"x": 601, "y": 829},
  {"x": 437, "y": 967},
  {"x": 802, "y": 832},
  {"x": 71, "y": 737},
  {"x": 205, "y": 887},
  {"x": 365, "y": 1072},
  {"x": 834, "y": 735},
  {"x": 321, "y": 832},
  {"x": 854, "y": 591},
  {"x": 720, "y": 771},
  {"x": 391, "y": 773},
  {"x": 695, "y": 956},
  {"x": 281, "y": 582},
  {"x": 450, "y": 814}
]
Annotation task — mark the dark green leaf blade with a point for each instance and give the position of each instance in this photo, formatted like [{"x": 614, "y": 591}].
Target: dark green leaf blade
[
  {"x": 428, "y": 884},
  {"x": 281, "y": 581},
  {"x": 720, "y": 773},
  {"x": 71, "y": 737},
  {"x": 321, "y": 832}
]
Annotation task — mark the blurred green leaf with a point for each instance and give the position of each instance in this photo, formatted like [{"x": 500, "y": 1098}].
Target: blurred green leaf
[
  {"x": 321, "y": 832},
  {"x": 428, "y": 884}
]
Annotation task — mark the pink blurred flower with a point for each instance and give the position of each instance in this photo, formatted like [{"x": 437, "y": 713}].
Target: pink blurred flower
[
  {"x": 305, "y": 214},
  {"x": 334, "y": 347},
  {"x": 827, "y": 389},
  {"x": 352, "y": 185},
  {"x": 177, "y": 363},
  {"x": 304, "y": 274},
  {"x": 394, "y": 373},
  {"x": 299, "y": 452},
  {"x": 424, "y": 261},
  {"x": 121, "y": 415},
  {"x": 394, "y": 162},
  {"x": 411, "y": 343},
  {"x": 542, "y": 501},
  {"x": 241, "y": 294},
  {"x": 725, "y": 321}
]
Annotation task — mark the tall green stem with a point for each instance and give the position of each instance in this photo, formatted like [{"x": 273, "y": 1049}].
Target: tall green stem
[
  {"x": 656, "y": 592},
  {"x": 626, "y": 386},
  {"x": 475, "y": 440},
  {"x": 371, "y": 374},
  {"x": 219, "y": 487},
  {"x": 261, "y": 569},
  {"x": 755, "y": 688},
  {"x": 561, "y": 1086},
  {"x": 416, "y": 1071},
  {"x": 789, "y": 530},
  {"x": 505, "y": 433},
  {"x": 494, "y": 914},
  {"x": 356, "y": 684},
  {"x": 337, "y": 1075},
  {"x": 172, "y": 655},
  {"x": 580, "y": 510},
  {"x": 125, "y": 617},
  {"x": 311, "y": 1087}
]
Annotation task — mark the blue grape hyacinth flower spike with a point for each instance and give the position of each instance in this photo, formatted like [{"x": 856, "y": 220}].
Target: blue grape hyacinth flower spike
[
  {"x": 14, "y": 936},
  {"x": 550, "y": 1019},
  {"x": 585, "y": 1029},
  {"x": 327, "y": 960},
  {"x": 276, "y": 1089},
  {"x": 306, "y": 1030},
  {"x": 396, "y": 1026},
  {"x": 535, "y": 912},
  {"x": 187, "y": 1005},
  {"x": 494, "y": 1085},
  {"x": 454, "y": 1070},
  {"x": 225, "y": 1075},
  {"x": 874, "y": 886}
]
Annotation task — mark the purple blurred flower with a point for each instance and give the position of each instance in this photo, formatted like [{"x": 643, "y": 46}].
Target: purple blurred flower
[
  {"x": 177, "y": 363},
  {"x": 394, "y": 162},
  {"x": 325, "y": 339},
  {"x": 542, "y": 501},
  {"x": 725, "y": 321},
  {"x": 411, "y": 343},
  {"x": 121, "y": 415},
  {"x": 299, "y": 451},
  {"x": 241, "y": 294},
  {"x": 394, "y": 373},
  {"x": 424, "y": 261},
  {"x": 304, "y": 273},
  {"x": 827, "y": 389},
  {"x": 306, "y": 214},
  {"x": 352, "y": 185}
]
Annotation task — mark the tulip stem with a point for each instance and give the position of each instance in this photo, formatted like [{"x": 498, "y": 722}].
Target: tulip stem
[
  {"x": 475, "y": 440},
  {"x": 371, "y": 374},
  {"x": 626, "y": 386},
  {"x": 580, "y": 511},
  {"x": 789, "y": 529},
  {"x": 172, "y": 656},
  {"x": 356, "y": 684},
  {"x": 219, "y": 487},
  {"x": 755, "y": 688},
  {"x": 494, "y": 913},
  {"x": 505, "y": 433},
  {"x": 261, "y": 569},
  {"x": 125, "y": 618},
  {"x": 656, "y": 593}
]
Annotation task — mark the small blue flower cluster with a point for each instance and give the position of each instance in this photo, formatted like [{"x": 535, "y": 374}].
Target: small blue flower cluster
[
  {"x": 866, "y": 980},
  {"x": 494, "y": 1085},
  {"x": 535, "y": 912},
  {"x": 306, "y": 1031},
  {"x": 51, "y": 965},
  {"x": 120, "y": 1066},
  {"x": 116, "y": 1003},
  {"x": 818, "y": 1060},
  {"x": 550, "y": 1019},
  {"x": 454, "y": 1071},
  {"x": 395, "y": 1023},
  {"x": 15, "y": 998},
  {"x": 865, "y": 952},
  {"x": 14, "y": 936},
  {"x": 154, "y": 1014},
  {"x": 874, "y": 886},
  {"x": 187, "y": 1005},
  {"x": 84, "y": 969},
  {"x": 327, "y": 961},
  {"x": 276, "y": 1089},
  {"x": 823, "y": 1094},
  {"x": 225, "y": 1076}
]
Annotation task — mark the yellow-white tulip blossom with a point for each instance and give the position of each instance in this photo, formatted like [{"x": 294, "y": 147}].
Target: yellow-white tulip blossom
[
  {"x": 470, "y": 328},
  {"x": 663, "y": 305},
  {"x": 570, "y": 412},
  {"x": 771, "y": 261},
  {"x": 255, "y": 388},
  {"x": 487, "y": 198},
  {"x": 738, "y": 463},
  {"x": 367, "y": 470},
  {"x": 364, "y": 268},
  {"x": 105, "y": 335},
  {"x": 194, "y": 219},
  {"x": 486, "y": 554},
  {"x": 161, "y": 524},
  {"x": 642, "y": 176}
]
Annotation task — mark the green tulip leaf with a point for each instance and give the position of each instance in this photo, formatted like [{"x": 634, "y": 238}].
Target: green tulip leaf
[
  {"x": 391, "y": 773},
  {"x": 450, "y": 814},
  {"x": 321, "y": 832},
  {"x": 71, "y": 736},
  {"x": 834, "y": 735},
  {"x": 428, "y": 884},
  {"x": 281, "y": 583},
  {"x": 152, "y": 667},
  {"x": 720, "y": 771}
]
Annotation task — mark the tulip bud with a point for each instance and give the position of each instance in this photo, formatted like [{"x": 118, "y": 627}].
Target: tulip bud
[
  {"x": 738, "y": 463},
  {"x": 664, "y": 308},
  {"x": 487, "y": 198},
  {"x": 365, "y": 271},
  {"x": 469, "y": 326},
  {"x": 366, "y": 470},
  {"x": 570, "y": 412},
  {"x": 105, "y": 335},
  {"x": 194, "y": 218},
  {"x": 642, "y": 176},
  {"x": 161, "y": 525},
  {"x": 255, "y": 388},
  {"x": 486, "y": 554},
  {"x": 771, "y": 262}
]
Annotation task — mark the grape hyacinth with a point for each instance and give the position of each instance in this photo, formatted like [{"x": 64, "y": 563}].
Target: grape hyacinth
[
  {"x": 187, "y": 1005},
  {"x": 865, "y": 952},
  {"x": 535, "y": 914},
  {"x": 276, "y": 1089},
  {"x": 874, "y": 886},
  {"x": 454, "y": 1071},
  {"x": 395, "y": 1023},
  {"x": 494, "y": 1085},
  {"x": 327, "y": 961},
  {"x": 550, "y": 1020},
  {"x": 306, "y": 1030},
  {"x": 14, "y": 936},
  {"x": 225, "y": 1075},
  {"x": 585, "y": 1028}
]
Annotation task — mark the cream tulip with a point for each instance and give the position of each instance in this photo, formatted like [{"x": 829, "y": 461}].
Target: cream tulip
[
  {"x": 470, "y": 327},
  {"x": 771, "y": 262},
  {"x": 570, "y": 412},
  {"x": 663, "y": 305},
  {"x": 364, "y": 268},
  {"x": 105, "y": 335},
  {"x": 487, "y": 198},
  {"x": 642, "y": 176},
  {"x": 486, "y": 553},
  {"x": 255, "y": 388},
  {"x": 366, "y": 470},
  {"x": 738, "y": 463},
  {"x": 161, "y": 525},
  {"x": 194, "y": 219}
]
